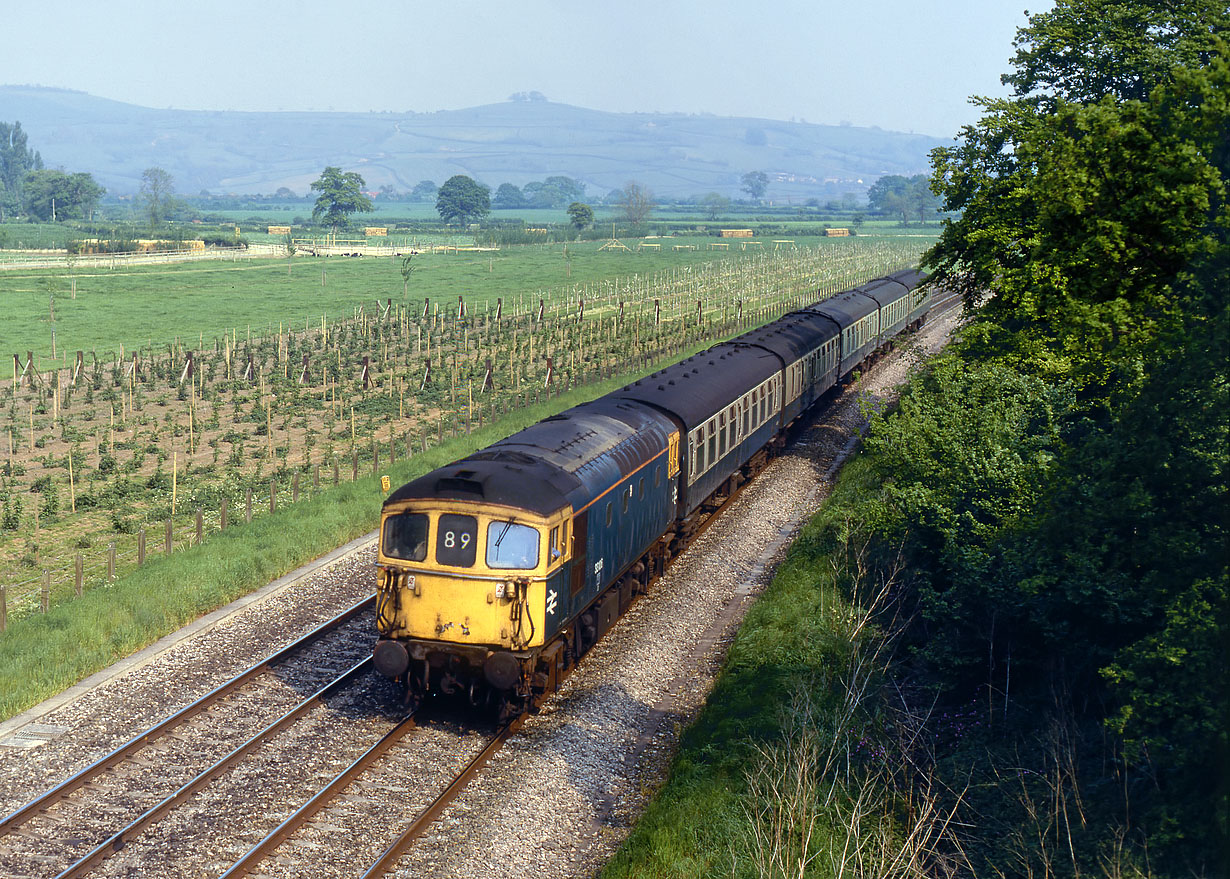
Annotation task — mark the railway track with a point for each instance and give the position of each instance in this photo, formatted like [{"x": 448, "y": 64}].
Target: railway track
[{"x": 70, "y": 815}]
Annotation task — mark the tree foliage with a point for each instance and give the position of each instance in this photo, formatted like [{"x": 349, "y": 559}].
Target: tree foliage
[
  {"x": 906, "y": 198},
  {"x": 462, "y": 200},
  {"x": 156, "y": 194},
  {"x": 1058, "y": 485},
  {"x": 755, "y": 184},
  {"x": 17, "y": 159},
  {"x": 580, "y": 215},
  {"x": 636, "y": 202},
  {"x": 341, "y": 194},
  {"x": 57, "y": 195},
  {"x": 715, "y": 204},
  {"x": 554, "y": 192},
  {"x": 508, "y": 197},
  {"x": 424, "y": 190},
  {"x": 1082, "y": 221}
]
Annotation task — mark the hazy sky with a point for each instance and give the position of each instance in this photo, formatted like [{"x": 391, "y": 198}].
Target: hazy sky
[{"x": 905, "y": 65}]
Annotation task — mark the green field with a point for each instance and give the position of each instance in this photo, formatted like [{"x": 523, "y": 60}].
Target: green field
[{"x": 140, "y": 307}]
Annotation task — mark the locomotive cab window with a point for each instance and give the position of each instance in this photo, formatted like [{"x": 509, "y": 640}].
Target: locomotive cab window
[
  {"x": 405, "y": 537},
  {"x": 456, "y": 540},
  {"x": 510, "y": 545}
]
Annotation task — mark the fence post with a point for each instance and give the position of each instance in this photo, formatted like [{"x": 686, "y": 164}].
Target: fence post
[
  {"x": 375, "y": 457},
  {"x": 79, "y": 574},
  {"x": 200, "y": 527},
  {"x": 273, "y": 495},
  {"x": 354, "y": 468},
  {"x": 315, "y": 478},
  {"x": 247, "y": 514},
  {"x": 336, "y": 472},
  {"x": 294, "y": 488},
  {"x": 140, "y": 547},
  {"x": 169, "y": 537},
  {"x": 45, "y": 597},
  {"x": 222, "y": 515}
]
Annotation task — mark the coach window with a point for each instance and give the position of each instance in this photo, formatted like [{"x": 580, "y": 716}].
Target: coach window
[
  {"x": 712, "y": 455},
  {"x": 722, "y": 435}
]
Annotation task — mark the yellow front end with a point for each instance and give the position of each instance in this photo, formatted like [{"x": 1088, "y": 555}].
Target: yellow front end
[{"x": 467, "y": 573}]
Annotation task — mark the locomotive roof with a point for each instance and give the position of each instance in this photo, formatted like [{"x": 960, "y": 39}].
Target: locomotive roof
[
  {"x": 553, "y": 463},
  {"x": 511, "y": 479},
  {"x": 695, "y": 388}
]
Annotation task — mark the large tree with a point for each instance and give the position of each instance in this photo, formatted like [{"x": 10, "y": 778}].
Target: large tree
[
  {"x": 905, "y": 198},
  {"x": 424, "y": 190},
  {"x": 636, "y": 201},
  {"x": 462, "y": 200},
  {"x": 554, "y": 192},
  {"x": 715, "y": 204},
  {"x": 508, "y": 197},
  {"x": 580, "y": 215},
  {"x": 755, "y": 184},
  {"x": 1084, "y": 198},
  {"x": 341, "y": 194},
  {"x": 1093, "y": 236},
  {"x": 156, "y": 194},
  {"x": 57, "y": 195},
  {"x": 17, "y": 160}
]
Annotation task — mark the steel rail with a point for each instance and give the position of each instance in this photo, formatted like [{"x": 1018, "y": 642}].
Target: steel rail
[
  {"x": 67, "y": 787},
  {"x": 283, "y": 831},
  {"x": 118, "y": 840},
  {"x": 393, "y": 853}
]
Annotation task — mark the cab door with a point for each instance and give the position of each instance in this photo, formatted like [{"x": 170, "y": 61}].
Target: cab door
[{"x": 576, "y": 581}]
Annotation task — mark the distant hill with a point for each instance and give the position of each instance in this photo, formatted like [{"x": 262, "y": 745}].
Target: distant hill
[{"x": 514, "y": 142}]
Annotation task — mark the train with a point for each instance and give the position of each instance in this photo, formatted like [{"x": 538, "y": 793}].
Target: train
[{"x": 497, "y": 572}]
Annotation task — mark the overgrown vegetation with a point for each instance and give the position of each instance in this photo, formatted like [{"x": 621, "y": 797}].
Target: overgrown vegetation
[{"x": 1046, "y": 511}]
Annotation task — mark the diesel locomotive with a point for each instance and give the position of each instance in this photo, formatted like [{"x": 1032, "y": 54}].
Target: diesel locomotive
[{"x": 498, "y": 571}]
